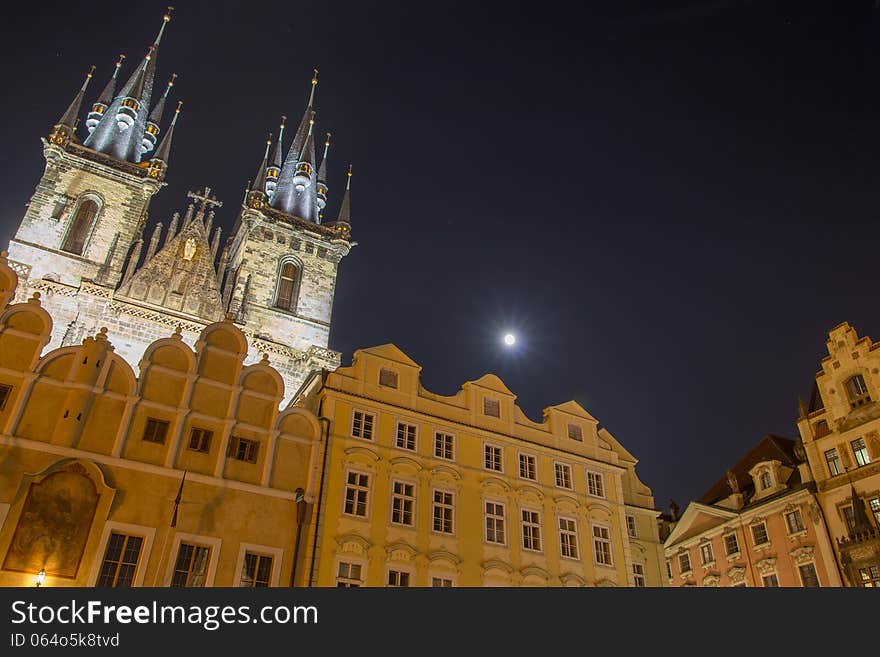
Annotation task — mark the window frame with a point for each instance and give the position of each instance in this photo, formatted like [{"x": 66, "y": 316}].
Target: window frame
[
  {"x": 578, "y": 433},
  {"x": 277, "y": 555},
  {"x": 800, "y": 527},
  {"x": 443, "y": 505},
  {"x": 533, "y": 525},
  {"x": 400, "y": 572},
  {"x": 569, "y": 532},
  {"x": 389, "y": 371},
  {"x": 727, "y": 550},
  {"x": 5, "y": 393},
  {"x": 438, "y": 443},
  {"x": 519, "y": 463},
  {"x": 199, "y": 540},
  {"x": 348, "y": 561},
  {"x": 566, "y": 470},
  {"x": 496, "y": 519},
  {"x": 203, "y": 442},
  {"x": 406, "y": 439},
  {"x": 251, "y": 453},
  {"x": 606, "y": 540},
  {"x": 638, "y": 570},
  {"x": 836, "y": 470},
  {"x": 860, "y": 455},
  {"x": 766, "y": 540},
  {"x": 413, "y": 499},
  {"x": 707, "y": 554},
  {"x": 632, "y": 529},
  {"x": 364, "y": 414},
  {"x": 812, "y": 565},
  {"x": 491, "y": 402},
  {"x": 690, "y": 566},
  {"x": 293, "y": 304},
  {"x": 500, "y": 457},
  {"x": 111, "y": 526},
  {"x": 600, "y": 477},
  {"x": 357, "y": 487},
  {"x": 81, "y": 199},
  {"x": 165, "y": 424}
]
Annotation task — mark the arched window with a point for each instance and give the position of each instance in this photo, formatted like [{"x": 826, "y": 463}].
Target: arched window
[
  {"x": 79, "y": 228},
  {"x": 857, "y": 391},
  {"x": 766, "y": 482},
  {"x": 286, "y": 296}
]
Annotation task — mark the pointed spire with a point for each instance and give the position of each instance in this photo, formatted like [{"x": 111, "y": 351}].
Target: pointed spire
[
  {"x": 215, "y": 243},
  {"x": 343, "y": 222},
  {"x": 154, "y": 242},
  {"x": 224, "y": 259},
  {"x": 304, "y": 167},
  {"x": 322, "y": 178},
  {"x": 152, "y": 131},
  {"x": 275, "y": 168},
  {"x": 209, "y": 222},
  {"x": 67, "y": 123},
  {"x": 133, "y": 260},
  {"x": 861, "y": 524},
  {"x": 104, "y": 99},
  {"x": 172, "y": 229},
  {"x": 159, "y": 162},
  {"x": 257, "y": 196}
]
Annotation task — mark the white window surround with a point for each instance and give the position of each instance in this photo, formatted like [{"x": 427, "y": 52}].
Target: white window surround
[
  {"x": 354, "y": 560},
  {"x": 263, "y": 550},
  {"x": 194, "y": 539},
  {"x": 574, "y": 532},
  {"x": 400, "y": 569},
  {"x": 406, "y": 423},
  {"x": 442, "y": 575},
  {"x": 505, "y": 529},
  {"x": 564, "y": 469},
  {"x": 444, "y": 432},
  {"x": 373, "y": 426},
  {"x": 368, "y": 512},
  {"x": 434, "y": 504},
  {"x": 540, "y": 526},
  {"x": 534, "y": 458},
  {"x": 414, "y": 498},
  {"x": 147, "y": 533},
  {"x": 494, "y": 446},
  {"x": 608, "y": 541},
  {"x": 601, "y": 484}
]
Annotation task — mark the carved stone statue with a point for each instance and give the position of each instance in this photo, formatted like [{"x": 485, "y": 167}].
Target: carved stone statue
[{"x": 732, "y": 482}]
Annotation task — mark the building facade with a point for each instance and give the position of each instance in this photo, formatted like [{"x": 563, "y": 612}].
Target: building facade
[
  {"x": 184, "y": 475},
  {"x": 83, "y": 244},
  {"x": 840, "y": 430},
  {"x": 759, "y": 525},
  {"x": 421, "y": 489}
]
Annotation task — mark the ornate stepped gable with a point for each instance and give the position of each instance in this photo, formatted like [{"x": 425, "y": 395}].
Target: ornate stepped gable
[{"x": 181, "y": 276}]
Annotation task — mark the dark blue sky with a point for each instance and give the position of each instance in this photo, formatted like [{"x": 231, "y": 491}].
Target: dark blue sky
[{"x": 670, "y": 204}]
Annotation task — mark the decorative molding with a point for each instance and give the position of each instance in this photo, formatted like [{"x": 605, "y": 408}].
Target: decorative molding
[
  {"x": 802, "y": 555},
  {"x": 353, "y": 544},
  {"x": 401, "y": 551},
  {"x": 736, "y": 574},
  {"x": 766, "y": 566}
]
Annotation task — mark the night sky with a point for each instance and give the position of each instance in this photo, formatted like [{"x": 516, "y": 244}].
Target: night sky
[{"x": 671, "y": 207}]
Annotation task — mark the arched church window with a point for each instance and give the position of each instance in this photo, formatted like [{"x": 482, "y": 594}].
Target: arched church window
[
  {"x": 287, "y": 286},
  {"x": 79, "y": 228}
]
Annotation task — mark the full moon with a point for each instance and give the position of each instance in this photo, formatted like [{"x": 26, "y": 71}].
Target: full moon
[{"x": 509, "y": 339}]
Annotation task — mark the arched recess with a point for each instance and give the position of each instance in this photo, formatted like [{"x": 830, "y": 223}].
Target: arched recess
[
  {"x": 287, "y": 283},
  {"x": 25, "y": 329},
  {"x": 80, "y": 227}
]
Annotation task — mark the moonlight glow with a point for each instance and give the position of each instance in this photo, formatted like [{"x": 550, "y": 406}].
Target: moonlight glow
[{"x": 509, "y": 339}]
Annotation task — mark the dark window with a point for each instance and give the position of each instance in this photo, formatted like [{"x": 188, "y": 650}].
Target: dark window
[
  {"x": 79, "y": 228},
  {"x": 243, "y": 449},
  {"x": 287, "y": 286},
  {"x": 5, "y": 391},
  {"x": 200, "y": 440},
  {"x": 491, "y": 407},
  {"x": 808, "y": 576},
  {"x": 388, "y": 378},
  {"x": 857, "y": 391},
  {"x": 256, "y": 571},
  {"x": 833, "y": 461},
  {"x": 731, "y": 545},
  {"x": 575, "y": 432},
  {"x": 155, "y": 430},
  {"x": 191, "y": 567},
  {"x": 120, "y": 560}
]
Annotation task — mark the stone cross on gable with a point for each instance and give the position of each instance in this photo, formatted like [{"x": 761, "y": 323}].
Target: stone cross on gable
[{"x": 206, "y": 199}]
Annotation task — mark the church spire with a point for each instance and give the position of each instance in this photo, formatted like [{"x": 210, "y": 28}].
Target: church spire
[
  {"x": 159, "y": 161},
  {"x": 322, "y": 177},
  {"x": 343, "y": 222},
  {"x": 63, "y": 130},
  {"x": 275, "y": 168},
  {"x": 104, "y": 99},
  {"x": 284, "y": 196},
  {"x": 257, "y": 196},
  {"x": 152, "y": 131},
  {"x": 305, "y": 165}
]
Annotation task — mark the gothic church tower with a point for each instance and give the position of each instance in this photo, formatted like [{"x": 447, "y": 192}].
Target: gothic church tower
[{"x": 82, "y": 240}]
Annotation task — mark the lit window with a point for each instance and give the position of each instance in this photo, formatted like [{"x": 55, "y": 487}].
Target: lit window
[
  {"x": 833, "y": 461},
  {"x": 256, "y": 570},
  {"x": 285, "y": 298},
  {"x": 492, "y": 458},
  {"x": 639, "y": 575},
  {"x": 398, "y": 578},
  {"x": 402, "y": 503},
  {"x": 443, "y": 512},
  {"x": 595, "y": 484},
  {"x": 348, "y": 575},
  {"x": 766, "y": 482},
  {"x": 406, "y": 436},
  {"x": 120, "y": 561},
  {"x": 491, "y": 407},
  {"x": 631, "y": 526},
  {"x": 362, "y": 425},
  {"x": 357, "y": 489},
  {"x": 568, "y": 543},
  {"x": 870, "y": 576},
  {"x": 575, "y": 432},
  {"x": 563, "y": 475},
  {"x": 795, "y": 522},
  {"x": 155, "y": 430},
  {"x": 80, "y": 227},
  {"x": 443, "y": 446},
  {"x": 191, "y": 567},
  {"x": 602, "y": 545},
  {"x": 809, "y": 579},
  {"x": 860, "y": 451},
  {"x": 857, "y": 391},
  {"x": 706, "y": 554},
  {"x": 731, "y": 544},
  {"x": 527, "y": 467},
  {"x": 759, "y": 533},
  {"x": 200, "y": 440},
  {"x": 387, "y": 378},
  {"x": 494, "y": 522},
  {"x": 243, "y": 449},
  {"x": 771, "y": 581},
  {"x": 684, "y": 562},
  {"x": 531, "y": 530},
  {"x": 875, "y": 509}
]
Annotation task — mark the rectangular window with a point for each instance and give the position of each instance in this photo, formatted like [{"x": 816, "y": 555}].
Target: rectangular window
[
  {"x": 870, "y": 576},
  {"x": 759, "y": 533},
  {"x": 494, "y": 523},
  {"x": 243, "y": 449},
  {"x": 639, "y": 575},
  {"x": 191, "y": 567},
  {"x": 406, "y": 436},
  {"x": 833, "y": 461},
  {"x": 357, "y": 489},
  {"x": 684, "y": 562},
  {"x": 403, "y": 501},
  {"x": 256, "y": 572},
  {"x": 860, "y": 451},
  {"x": 770, "y": 581},
  {"x": 443, "y": 512},
  {"x": 849, "y": 518},
  {"x": 527, "y": 467},
  {"x": 707, "y": 554},
  {"x": 362, "y": 426},
  {"x": 563, "y": 475},
  {"x": 155, "y": 430},
  {"x": 398, "y": 578},
  {"x": 349, "y": 576},
  {"x": 387, "y": 378},
  {"x": 575, "y": 432},
  {"x": 809, "y": 579},
  {"x": 443, "y": 446},
  {"x": 568, "y": 540},
  {"x": 631, "y": 527},
  {"x": 120, "y": 560},
  {"x": 5, "y": 391},
  {"x": 491, "y": 407},
  {"x": 200, "y": 440},
  {"x": 595, "y": 484},
  {"x": 795, "y": 522},
  {"x": 493, "y": 459},
  {"x": 602, "y": 545},
  {"x": 441, "y": 582},
  {"x": 531, "y": 530},
  {"x": 731, "y": 544},
  {"x": 669, "y": 569},
  {"x": 875, "y": 510}
]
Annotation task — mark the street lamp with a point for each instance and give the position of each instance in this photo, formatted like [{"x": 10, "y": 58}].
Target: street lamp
[{"x": 41, "y": 577}]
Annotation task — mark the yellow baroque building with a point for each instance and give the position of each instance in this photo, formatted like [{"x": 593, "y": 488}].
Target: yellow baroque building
[
  {"x": 187, "y": 475},
  {"x": 421, "y": 489}
]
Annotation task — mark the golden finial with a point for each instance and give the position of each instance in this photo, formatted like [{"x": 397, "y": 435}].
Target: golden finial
[
  {"x": 173, "y": 78},
  {"x": 119, "y": 63},
  {"x": 348, "y": 182},
  {"x": 91, "y": 70},
  {"x": 283, "y": 121},
  {"x": 167, "y": 16},
  {"x": 327, "y": 143},
  {"x": 269, "y": 139},
  {"x": 150, "y": 52},
  {"x": 315, "y": 77},
  {"x": 312, "y": 118},
  {"x": 179, "y": 105},
  {"x": 314, "y": 84}
]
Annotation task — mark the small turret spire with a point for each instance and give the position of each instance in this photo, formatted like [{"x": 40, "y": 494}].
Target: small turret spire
[
  {"x": 67, "y": 123},
  {"x": 275, "y": 168},
  {"x": 343, "y": 222},
  {"x": 159, "y": 162},
  {"x": 304, "y": 167},
  {"x": 104, "y": 99},
  {"x": 165, "y": 20},
  {"x": 322, "y": 177},
  {"x": 152, "y": 131},
  {"x": 257, "y": 196}
]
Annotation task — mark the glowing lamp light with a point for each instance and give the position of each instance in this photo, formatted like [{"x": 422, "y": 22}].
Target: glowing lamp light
[
  {"x": 41, "y": 577},
  {"x": 510, "y": 339}
]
